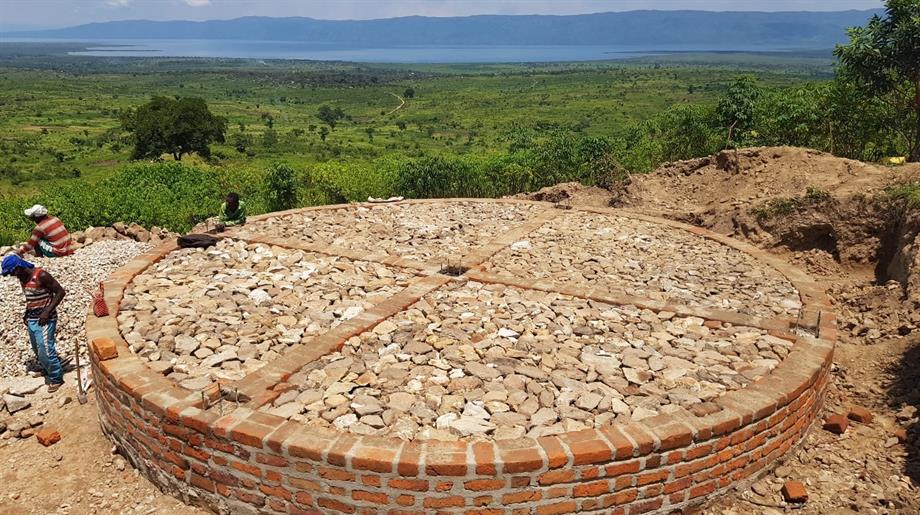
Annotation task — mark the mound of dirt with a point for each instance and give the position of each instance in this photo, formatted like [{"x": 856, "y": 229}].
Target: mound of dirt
[
  {"x": 793, "y": 199},
  {"x": 736, "y": 178},
  {"x": 570, "y": 193}
]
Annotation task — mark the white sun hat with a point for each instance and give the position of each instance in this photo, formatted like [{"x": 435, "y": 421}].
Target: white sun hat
[{"x": 36, "y": 210}]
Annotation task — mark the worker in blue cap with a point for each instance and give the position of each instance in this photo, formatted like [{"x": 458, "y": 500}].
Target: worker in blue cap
[{"x": 43, "y": 295}]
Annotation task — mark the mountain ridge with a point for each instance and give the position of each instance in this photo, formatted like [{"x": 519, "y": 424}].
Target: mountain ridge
[{"x": 715, "y": 28}]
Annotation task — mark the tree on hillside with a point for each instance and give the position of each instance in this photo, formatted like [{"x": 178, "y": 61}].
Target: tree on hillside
[
  {"x": 883, "y": 61},
  {"x": 736, "y": 109},
  {"x": 173, "y": 126},
  {"x": 281, "y": 187},
  {"x": 323, "y": 133},
  {"x": 409, "y": 93},
  {"x": 330, "y": 116}
]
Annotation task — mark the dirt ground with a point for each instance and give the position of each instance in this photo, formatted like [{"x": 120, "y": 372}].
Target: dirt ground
[
  {"x": 79, "y": 474},
  {"x": 873, "y": 468}
]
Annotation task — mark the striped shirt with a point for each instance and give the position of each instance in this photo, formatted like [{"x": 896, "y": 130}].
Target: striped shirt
[
  {"x": 37, "y": 297},
  {"x": 52, "y": 230}
]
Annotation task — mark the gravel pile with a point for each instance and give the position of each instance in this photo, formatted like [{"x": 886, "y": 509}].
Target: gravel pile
[
  {"x": 80, "y": 275},
  {"x": 488, "y": 361}
]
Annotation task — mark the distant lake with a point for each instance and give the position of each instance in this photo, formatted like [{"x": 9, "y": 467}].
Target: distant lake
[{"x": 223, "y": 48}]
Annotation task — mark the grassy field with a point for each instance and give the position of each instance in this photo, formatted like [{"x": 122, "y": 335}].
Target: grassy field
[{"x": 60, "y": 120}]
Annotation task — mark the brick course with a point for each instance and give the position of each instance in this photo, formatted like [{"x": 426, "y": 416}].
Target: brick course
[{"x": 246, "y": 461}]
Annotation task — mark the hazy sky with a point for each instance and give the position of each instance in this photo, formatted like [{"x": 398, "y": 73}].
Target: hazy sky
[{"x": 59, "y": 13}]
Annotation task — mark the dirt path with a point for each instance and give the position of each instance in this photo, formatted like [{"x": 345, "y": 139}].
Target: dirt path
[{"x": 402, "y": 103}]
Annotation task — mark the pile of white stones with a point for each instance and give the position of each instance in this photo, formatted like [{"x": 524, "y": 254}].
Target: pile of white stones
[
  {"x": 79, "y": 274},
  {"x": 494, "y": 362},
  {"x": 648, "y": 260},
  {"x": 220, "y": 313},
  {"x": 414, "y": 231}
]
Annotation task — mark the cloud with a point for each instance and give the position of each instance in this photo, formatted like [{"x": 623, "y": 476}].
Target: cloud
[
  {"x": 197, "y": 3},
  {"x": 119, "y": 3}
]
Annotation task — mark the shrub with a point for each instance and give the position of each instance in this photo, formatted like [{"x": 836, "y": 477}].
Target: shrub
[
  {"x": 280, "y": 187},
  {"x": 440, "y": 177}
]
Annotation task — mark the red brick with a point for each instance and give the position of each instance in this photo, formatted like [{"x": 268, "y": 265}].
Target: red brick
[
  {"x": 484, "y": 454},
  {"x": 699, "y": 451},
  {"x": 520, "y": 481},
  {"x": 370, "y": 480},
  {"x": 483, "y": 500},
  {"x": 521, "y": 460},
  {"x": 555, "y": 453},
  {"x": 555, "y": 509},
  {"x": 333, "y": 504},
  {"x": 558, "y": 476},
  {"x": 408, "y": 464},
  {"x": 836, "y": 424},
  {"x": 591, "y": 489},
  {"x": 525, "y": 496},
  {"x": 405, "y": 500},
  {"x": 248, "y": 433},
  {"x": 446, "y": 459},
  {"x": 104, "y": 349},
  {"x": 337, "y": 453},
  {"x": 377, "y": 460},
  {"x": 303, "y": 498},
  {"x": 623, "y": 448},
  {"x": 646, "y": 506},
  {"x": 202, "y": 482},
  {"x": 274, "y": 461},
  {"x": 620, "y": 498},
  {"x": 484, "y": 484},
  {"x": 335, "y": 474},
  {"x": 652, "y": 477},
  {"x": 444, "y": 502},
  {"x": 701, "y": 490},
  {"x": 675, "y": 486},
  {"x": 590, "y": 451},
  {"x": 558, "y": 491},
  {"x": 276, "y": 491},
  {"x": 361, "y": 495},
  {"x": 794, "y": 491},
  {"x": 304, "y": 484},
  {"x": 48, "y": 437},
  {"x": 417, "y": 485},
  {"x": 628, "y": 467},
  {"x": 860, "y": 414}
]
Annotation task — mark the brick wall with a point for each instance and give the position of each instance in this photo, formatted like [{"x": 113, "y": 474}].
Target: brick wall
[{"x": 248, "y": 461}]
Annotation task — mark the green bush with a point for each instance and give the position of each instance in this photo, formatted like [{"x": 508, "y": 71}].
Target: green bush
[
  {"x": 440, "y": 177},
  {"x": 280, "y": 187},
  {"x": 168, "y": 194}
]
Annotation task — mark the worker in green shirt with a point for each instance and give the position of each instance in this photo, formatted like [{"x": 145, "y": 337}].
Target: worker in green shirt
[{"x": 232, "y": 212}]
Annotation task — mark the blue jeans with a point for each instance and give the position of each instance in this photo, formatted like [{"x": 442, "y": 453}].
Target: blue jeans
[{"x": 42, "y": 337}]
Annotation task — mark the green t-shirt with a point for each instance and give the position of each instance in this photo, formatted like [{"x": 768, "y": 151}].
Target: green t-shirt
[{"x": 236, "y": 218}]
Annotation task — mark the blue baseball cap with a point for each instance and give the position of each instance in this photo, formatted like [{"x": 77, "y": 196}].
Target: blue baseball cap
[{"x": 11, "y": 263}]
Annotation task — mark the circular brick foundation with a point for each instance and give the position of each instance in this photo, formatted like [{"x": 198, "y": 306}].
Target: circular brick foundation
[{"x": 215, "y": 448}]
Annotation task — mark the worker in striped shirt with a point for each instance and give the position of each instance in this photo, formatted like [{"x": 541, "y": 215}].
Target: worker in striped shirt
[
  {"x": 43, "y": 295},
  {"x": 49, "y": 237}
]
